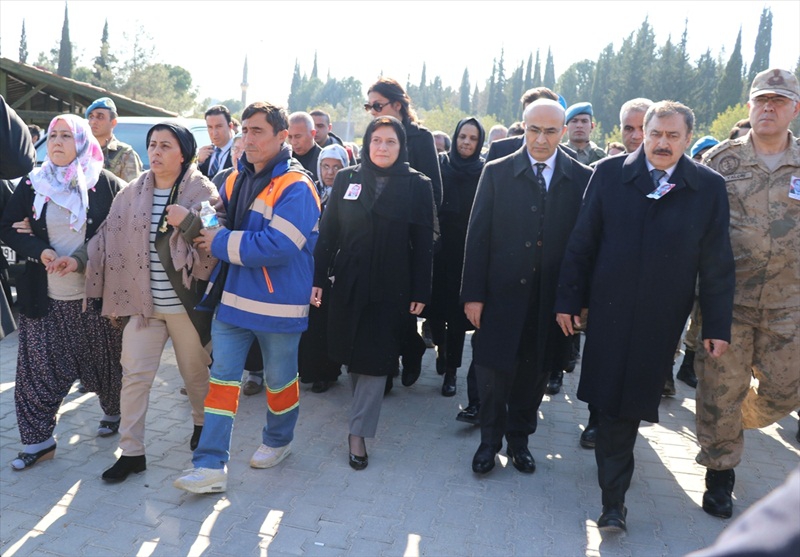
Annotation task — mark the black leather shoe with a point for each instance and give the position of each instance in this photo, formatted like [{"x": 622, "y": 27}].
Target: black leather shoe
[
  {"x": 483, "y": 461},
  {"x": 686, "y": 371},
  {"x": 449, "y": 383},
  {"x": 125, "y": 465},
  {"x": 522, "y": 459},
  {"x": 320, "y": 386},
  {"x": 613, "y": 518},
  {"x": 717, "y": 500},
  {"x": 358, "y": 462},
  {"x": 195, "y": 440},
  {"x": 389, "y": 385},
  {"x": 554, "y": 385},
  {"x": 411, "y": 373},
  {"x": 469, "y": 415},
  {"x": 589, "y": 437},
  {"x": 669, "y": 387}
]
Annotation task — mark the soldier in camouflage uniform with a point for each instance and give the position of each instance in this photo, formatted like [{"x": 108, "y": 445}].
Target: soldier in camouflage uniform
[
  {"x": 120, "y": 158},
  {"x": 762, "y": 172}
]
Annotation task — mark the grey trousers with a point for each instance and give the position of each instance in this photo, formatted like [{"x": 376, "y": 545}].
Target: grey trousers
[{"x": 366, "y": 406}]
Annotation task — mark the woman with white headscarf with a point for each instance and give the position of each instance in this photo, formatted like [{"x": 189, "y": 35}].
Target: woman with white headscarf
[{"x": 65, "y": 201}]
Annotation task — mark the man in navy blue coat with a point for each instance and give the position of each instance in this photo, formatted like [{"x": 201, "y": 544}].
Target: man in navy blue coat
[
  {"x": 524, "y": 210},
  {"x": 652, "y": 222}
]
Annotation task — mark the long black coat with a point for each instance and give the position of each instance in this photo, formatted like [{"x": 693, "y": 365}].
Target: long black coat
[
  {"x": 501, "y": 251},
  {"x": 423, "y": 157},
  {"x": 380, "y": 265},
  {"x": 636, "y": 261}
]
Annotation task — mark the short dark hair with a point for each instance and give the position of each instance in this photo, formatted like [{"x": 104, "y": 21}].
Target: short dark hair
[
  {"x": 739, "y": 128},
  {"x": 517, "y": 128},
  {"x": 276, "y": 115},
  {"x": 394, "y": 92},
  {"x": 615, "y": 145},
  {"x": 35, "y": 130},
  {"x": 322, "y": 113},
  {"x": 219, "y": 109},
  {"x": 537, "y": 93},
  {"x": 668, "y": 108}
]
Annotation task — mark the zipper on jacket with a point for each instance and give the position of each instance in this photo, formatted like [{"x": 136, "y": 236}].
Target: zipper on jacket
[{"x": 269, "y": 282}]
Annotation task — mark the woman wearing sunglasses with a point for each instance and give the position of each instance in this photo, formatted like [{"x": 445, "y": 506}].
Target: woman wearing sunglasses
[{"x": 386, "y": 97}]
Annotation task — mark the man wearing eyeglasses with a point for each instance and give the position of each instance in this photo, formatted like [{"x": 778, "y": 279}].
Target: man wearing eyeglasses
[
  {"x": 525, "y": 207},
  {"x": 762, "y": 174}
]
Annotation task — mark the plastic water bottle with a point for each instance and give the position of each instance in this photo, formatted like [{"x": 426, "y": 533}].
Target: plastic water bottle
[{"x": 208, "y": 215}]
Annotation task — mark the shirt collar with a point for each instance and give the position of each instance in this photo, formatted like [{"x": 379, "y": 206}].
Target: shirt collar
[
  {"x": 551, "y": 162},
  {"x": 669, "y": 171}
]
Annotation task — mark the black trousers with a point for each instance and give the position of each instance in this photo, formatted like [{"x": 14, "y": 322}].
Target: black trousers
[
  {"x": 449, "y": 338},
  {"x": 510, "y": 399},
  {"x": 614, "y": 455}
]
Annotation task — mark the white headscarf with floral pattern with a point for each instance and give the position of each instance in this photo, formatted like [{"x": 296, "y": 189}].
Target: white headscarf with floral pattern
[{"x": 68, "y": 186}]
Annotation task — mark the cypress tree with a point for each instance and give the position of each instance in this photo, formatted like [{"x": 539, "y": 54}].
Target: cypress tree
[
  {"x": 730, "y": 87},
  {"x": 23, "y": 45},
  {"x": 314, "y": 69},
  {"x": 763, "y": 45},
  {"x": 537, "y": 72},
  {"x": 529, "y": 72},
  {"x": 464, "y": 104},
  {"x": 65, "y": 50},
  {"x": 549, "y": 80}
]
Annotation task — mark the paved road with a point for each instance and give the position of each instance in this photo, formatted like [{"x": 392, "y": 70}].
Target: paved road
[{"x": 418, "y": 496}]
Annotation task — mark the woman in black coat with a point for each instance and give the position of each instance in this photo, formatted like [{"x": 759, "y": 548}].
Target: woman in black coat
[
  {"x": 461, "y": 170},
  {"x": 386, "y": 97},
  {"x": 377, "y": 230}
]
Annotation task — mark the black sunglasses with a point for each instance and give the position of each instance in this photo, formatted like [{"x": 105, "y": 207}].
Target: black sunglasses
[{"x": 376, "y": 106}]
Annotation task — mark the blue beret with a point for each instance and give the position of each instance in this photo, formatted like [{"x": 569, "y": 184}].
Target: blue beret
[
  {"x": 578, "y": 108},
  {"x": 102, "y": 102},
  {"x": 703, "y": 143},
  {"x": 562, "y": 101}
]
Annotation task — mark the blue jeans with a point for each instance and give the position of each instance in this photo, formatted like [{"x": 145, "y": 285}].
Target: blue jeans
[{"x": 231, "y": 344}]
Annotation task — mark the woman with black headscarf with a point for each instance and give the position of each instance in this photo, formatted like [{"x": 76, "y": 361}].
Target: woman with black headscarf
[
  {"x": 377, "y": 230},
  {"x": 461, "y": 169},
  {"x": 145, "y": 266}
]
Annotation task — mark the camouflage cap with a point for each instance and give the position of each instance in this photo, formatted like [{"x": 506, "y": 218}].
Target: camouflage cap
[{"x": 777, "y": 82}]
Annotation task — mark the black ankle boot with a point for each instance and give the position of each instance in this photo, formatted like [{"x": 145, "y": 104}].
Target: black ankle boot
[
  {"x": 717, "y": 500},
  {"x": 449, "y": 383},
  {"x": 686, "y": 371},
  {"x": 124, "y": 466},
  {"x": 195, "y": 440}
]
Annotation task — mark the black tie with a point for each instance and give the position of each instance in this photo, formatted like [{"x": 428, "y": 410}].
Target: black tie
[
  {"x": 540, "y": 166},
  {"x": 656, "y": 175},
  {"x": 212, "y": 170}
]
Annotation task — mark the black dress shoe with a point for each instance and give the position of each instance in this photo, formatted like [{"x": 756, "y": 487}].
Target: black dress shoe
[
  {"x": 522, "y": 459},
  {"x": 469, "y": 415},
  {"x": 411, "y": 372},
  {"x": 195, "y": 440},
  {"x": 613, "y": 518},
  {"x": 358, "y": 462},
  {"x": 718, "y": 500},
  {"x": 389, "y": 385},
  {"x": 483, "y": 461},
  {"x": 669, "y": 387},
  {"x": 320, "y": 386},
  {"x": 124, "y": 466},
  {"x": 449, "y": 383},
  {"x": 554, "y": 385},
  {"x": 589, "y": 437}
]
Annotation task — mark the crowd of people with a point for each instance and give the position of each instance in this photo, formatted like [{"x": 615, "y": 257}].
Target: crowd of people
[{"x": 281, "y": 255}]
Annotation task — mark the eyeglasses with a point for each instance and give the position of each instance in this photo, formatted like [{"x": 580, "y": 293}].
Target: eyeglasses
[
  {"x": 777, "y": 101},
  {"x": 325, "y": 167},
  {"x": 376, "y": 106},
  {"x": 548, "y": 132}
]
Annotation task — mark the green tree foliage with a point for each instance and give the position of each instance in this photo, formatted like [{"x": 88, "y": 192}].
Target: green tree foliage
[
  {"x": 529, "y": 73},
  {"x": 763, "y": 45},
  {"x": 722, "y": 124},
  {"x": 65, "y": 60},
  {"x": 105, "y": 64},
  {"x": 23, "y": 45},
  {"x": 730, "y": 87},
  {"x": 575, "y": 84},
  {"x": 537, "y": 72},
  {"x": 464, "y": 93},
  {"x": 549, "y": 80}
]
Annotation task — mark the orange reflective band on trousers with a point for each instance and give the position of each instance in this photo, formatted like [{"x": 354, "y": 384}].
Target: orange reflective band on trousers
[
  {"x": 282, "y": 400},
  {"x": 223, "y": 397}
]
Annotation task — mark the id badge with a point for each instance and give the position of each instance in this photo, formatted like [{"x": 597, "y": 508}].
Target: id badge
[
  {"x": 794, "y": 188},
  {"x": 353, "y": 191},
  {"x": 661, "y": 191}
]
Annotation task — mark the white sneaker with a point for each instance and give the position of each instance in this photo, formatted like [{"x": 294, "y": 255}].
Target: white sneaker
[
  {"x": 267, "y": 457},
  {"x": 203, "y": 480}
]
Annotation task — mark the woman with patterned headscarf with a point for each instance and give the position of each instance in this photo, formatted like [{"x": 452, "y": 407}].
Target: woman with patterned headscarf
[
  {"x": 144, "y": 265},
  {"x": 65, "y": 201}
]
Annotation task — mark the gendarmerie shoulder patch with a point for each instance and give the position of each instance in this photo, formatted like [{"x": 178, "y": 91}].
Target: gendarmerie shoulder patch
[{"x": 728, "y": 164}]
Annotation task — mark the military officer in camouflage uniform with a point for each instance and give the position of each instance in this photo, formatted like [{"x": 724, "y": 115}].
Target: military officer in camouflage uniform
[
  {"x": 120, "y": 158},
  {"x": 762, "y": 172},
  {"x": 579, "y": 127}
]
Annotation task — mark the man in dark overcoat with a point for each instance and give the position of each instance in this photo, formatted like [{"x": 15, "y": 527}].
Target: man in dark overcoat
[
  {"x": 652, "y": 222},
  {"x": 525, "y": 207}
]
